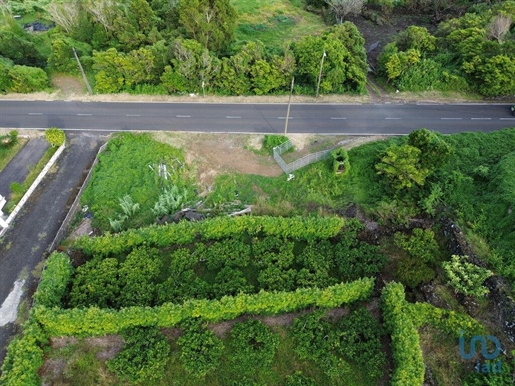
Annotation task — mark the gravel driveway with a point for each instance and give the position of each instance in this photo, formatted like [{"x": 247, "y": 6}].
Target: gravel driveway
[{"x": 26, "y": 242}]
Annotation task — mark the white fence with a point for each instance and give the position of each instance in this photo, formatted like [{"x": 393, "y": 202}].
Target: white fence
[{"x": 301, "y": 162}]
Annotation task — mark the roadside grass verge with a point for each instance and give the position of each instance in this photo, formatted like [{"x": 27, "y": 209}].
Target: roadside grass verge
[
  {"x": 8, "y": 153},
  {"x": 314, "y": 186},
  {"x": 136, "y": 166},
  {"x": 275, "y": 21},
  {"x": 34, "y": 170}
]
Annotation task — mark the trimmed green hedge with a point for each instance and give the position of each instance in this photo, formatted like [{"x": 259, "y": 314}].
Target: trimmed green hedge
[
  {"x": 95, "y": 321},
  {"x": 448, "y": 321},
  {"x": 297, "y": 228},
  {"x": 24, "y": 358},
  {"x": 54, "y": 280},
  {"x": 409, "y": 367}
]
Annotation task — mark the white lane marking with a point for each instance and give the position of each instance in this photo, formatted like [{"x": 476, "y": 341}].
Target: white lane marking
[
  {"x": 9, "y": 309},
  {"x": 35, "y": 113},
  {"x": 393, "y": 118},
  {"x": 133, "y": 115},
  {"x": 84, "y": 115},
  {"x": 232, "y": 117},
  {"x": 284, "y": 117},
  {"x": 507, "y": 119},
  {"x": 481, "y": 119},
  {"x": 452, "y": 118},
  {"x": 183, "y": 116},
  {"x": 338, "y": 118}
]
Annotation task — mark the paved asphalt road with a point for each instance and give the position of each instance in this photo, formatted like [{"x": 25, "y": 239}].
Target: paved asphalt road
[
  {"x": 18, "y": 169},
  {"x": 25, "y": 243},
  {"x": 253, "y": 118}
]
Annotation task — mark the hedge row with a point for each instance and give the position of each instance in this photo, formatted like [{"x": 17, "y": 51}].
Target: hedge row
[
  {"x": 450, "y": 322},
  {"x": 96, "y": 321},
  {"x": 54, "y": 280},
  {"x": 297, "y": 228},
  {"x": 24, "y": 357},
  {"x": 409, "y": 369}
]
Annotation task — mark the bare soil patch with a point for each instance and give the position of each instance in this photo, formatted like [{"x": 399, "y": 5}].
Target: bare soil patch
[
  {"x": 212, "y": 154},
  {"x": 69, "y": 86}
]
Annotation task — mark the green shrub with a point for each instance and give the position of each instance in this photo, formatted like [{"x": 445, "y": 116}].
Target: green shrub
[
  {"x": 54, "y": 281},
  {"x": 252, "y": 345},
  {"x": 24, "y": 357},
  {"x": 55, "y": 137},
  {"x": 17, "y": 188},
  {"x": 299, "y": 379},
  {"x": 143, "y": 357},
  {"x": 273, "y": 140},
  {"x": 341, "y": 164},
  {"x": 465, "y": 277},
  {"x": 27, "y": 79},
  {"x": 201, "y": 349},
  {"x": 357, "y": 338}
]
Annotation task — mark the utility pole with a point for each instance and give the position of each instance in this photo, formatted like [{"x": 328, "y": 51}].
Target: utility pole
[
  {"x": 320, "y": 73},
  {"x": 83, "y": 74},
  {"x": 289, "y": 104}
]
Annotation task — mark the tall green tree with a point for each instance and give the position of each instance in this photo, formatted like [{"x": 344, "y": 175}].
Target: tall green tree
[
  {"x": 401, "y": 166},
  {"x": 210, "y": 22}
]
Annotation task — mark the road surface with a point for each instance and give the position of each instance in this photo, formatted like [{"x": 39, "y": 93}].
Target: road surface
[{"x": 256, "y": 118}]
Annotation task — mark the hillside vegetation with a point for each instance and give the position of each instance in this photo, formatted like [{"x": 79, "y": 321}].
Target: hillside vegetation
[{"x": 242, "y": 47}]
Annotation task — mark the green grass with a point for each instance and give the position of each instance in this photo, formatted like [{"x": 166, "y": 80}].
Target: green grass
[
  {"x": 313, "y": 186},
  {"x": 84, "y": 368},
  {"x": 129, "y": 166},
  {"x": 275, "y": 21},
  {"x": 8, "y": 153},
  {"x": 31, "y": 177}
]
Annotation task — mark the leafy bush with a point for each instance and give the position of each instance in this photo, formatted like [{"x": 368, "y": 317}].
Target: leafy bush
[
  {"x": 421, "y": 248},
  {"x": 143, "y": 357},
  {"x": 54, "y": 281},
  {"x": 201, "y": 349},
  {"x": 24, "y": 357},
  {"x": 273, "y": 140},
  {"x": 10, "y": 139},
  {"x": 465, "y": 277},
  {"x": 341, "y": 164},
  {"x": 252, "y": 345},
  {"x": 16, "y": 188},
  {"x": 357, "y": 338},
  {"x": 27, "y": 79},
  {"x": 299, "y": 379},
  {"x": 55, "y": 137}
]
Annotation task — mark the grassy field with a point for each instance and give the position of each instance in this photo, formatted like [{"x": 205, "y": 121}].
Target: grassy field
[
  {"x": 83, "y": 363},
  {"x": 275, "y": 22}
]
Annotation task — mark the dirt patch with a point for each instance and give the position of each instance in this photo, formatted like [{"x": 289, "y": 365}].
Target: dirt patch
[
  {"x": 212, "y": 154},
  {"x": 108, "y": 346},
  {"x": 69, "y": 87},
  {"x": 83, "y": 229}
]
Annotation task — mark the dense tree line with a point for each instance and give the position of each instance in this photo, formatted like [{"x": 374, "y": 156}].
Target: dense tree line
[
  {"x": 475, "y": 52},
  {"x": 183, "y": 47}
]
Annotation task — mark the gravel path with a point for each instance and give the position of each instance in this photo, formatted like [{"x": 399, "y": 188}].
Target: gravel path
[
  {"x": 18, "y": 168},
  {"x": 25, "y": 244}
]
